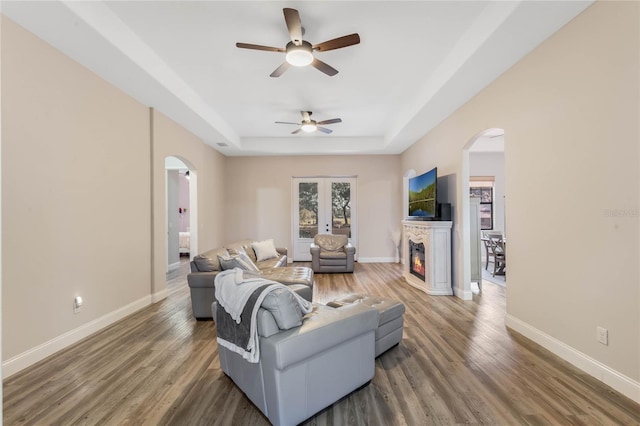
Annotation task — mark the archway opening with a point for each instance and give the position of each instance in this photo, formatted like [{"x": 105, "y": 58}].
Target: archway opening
[
  {"x": 483, "y": 178},
  {"x": 181, "y": 240}
]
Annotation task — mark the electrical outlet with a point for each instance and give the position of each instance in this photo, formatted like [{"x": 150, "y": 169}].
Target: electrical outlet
[
  {"x": 603, "y": 335},
  {"x": 77, "y": 304}
]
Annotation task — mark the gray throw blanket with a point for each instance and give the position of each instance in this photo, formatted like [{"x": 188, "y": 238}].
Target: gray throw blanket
[
  {"x": 237, "y": 330},
  {"x": 237, "y": 336}
]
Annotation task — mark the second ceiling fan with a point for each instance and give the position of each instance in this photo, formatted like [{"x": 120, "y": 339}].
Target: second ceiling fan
[
  {"x": 308, "y": 125},
  {"x": 299, "y": 52}
]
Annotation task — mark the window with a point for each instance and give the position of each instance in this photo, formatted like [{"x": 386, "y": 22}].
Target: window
[{"x": 482, "y": 187}]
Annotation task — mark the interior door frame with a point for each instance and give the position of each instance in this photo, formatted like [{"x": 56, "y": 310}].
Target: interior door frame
[{"x": 324, "y": 197}]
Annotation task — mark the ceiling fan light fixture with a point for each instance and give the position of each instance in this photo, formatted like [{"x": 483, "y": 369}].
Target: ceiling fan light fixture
[
  {"x": 309, "y": 127},
  {"x": 299, "y": 56}
]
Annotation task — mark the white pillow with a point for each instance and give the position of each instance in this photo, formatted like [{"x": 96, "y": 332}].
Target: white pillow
[{"x": 265, "y": 249}]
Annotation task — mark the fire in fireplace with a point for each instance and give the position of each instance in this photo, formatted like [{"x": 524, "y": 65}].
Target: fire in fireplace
[{"x": 417, "y": 262}]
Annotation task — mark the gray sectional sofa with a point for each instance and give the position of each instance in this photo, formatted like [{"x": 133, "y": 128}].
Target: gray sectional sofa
[
  {"x": 205, "y": 267},
  {"x": 306, "y": 368},
  {"x": 293, "y": 358}
]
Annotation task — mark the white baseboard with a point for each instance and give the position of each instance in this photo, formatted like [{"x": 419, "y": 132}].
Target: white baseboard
[
  {"x": 618, "y": 381},
  {"x": 160, "y": 295},
  {"x": 463, "y": 294},
  {"x": 40, "y": 352},
  {"x": 377, "y": 260}
]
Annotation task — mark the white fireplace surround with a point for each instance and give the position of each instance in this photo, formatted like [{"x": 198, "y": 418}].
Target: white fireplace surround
[{"x": 436, "y": 237}]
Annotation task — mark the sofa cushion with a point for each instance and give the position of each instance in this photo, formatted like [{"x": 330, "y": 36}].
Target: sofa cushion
[
  {"x": 270, "y": 263},
  {"x": 388, "y": 309},
  {"x": 265, "y": 249},
  {"x": 284, "y": 307},
  {"x": 329, "y": 242},
  {"x": 241, "y": 261},
  {"x": 208, "y": 261},
  {"x": 206, "y": 264},
  {"x": 290, "y": 275},
  {"x": 324, "y": 254}
]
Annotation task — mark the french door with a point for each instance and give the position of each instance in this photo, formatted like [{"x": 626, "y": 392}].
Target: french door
[{"x": 322, "y": 205}]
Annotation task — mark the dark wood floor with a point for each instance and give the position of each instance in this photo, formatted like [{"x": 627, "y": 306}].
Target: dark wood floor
[{"x": 457, "y": 364}]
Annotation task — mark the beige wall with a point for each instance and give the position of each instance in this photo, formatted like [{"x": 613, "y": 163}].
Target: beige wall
[
  {"x": 570, "y": 112},
  {"x": 207, "y": 173},
  {"x": 75, "y": 194},
  {"x": 77, "y": 158},
  {"x": 258, "y": 199}
]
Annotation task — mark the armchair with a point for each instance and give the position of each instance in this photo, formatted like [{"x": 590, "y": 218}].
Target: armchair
[{"x": 332, "y": 253}]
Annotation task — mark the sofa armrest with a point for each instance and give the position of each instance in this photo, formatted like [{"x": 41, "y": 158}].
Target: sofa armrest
[
  {"x": 322, "y": 329},
  {"x": 315, "y": 257},
  {"x": 202, "y": 279},
  {"x": 282, "y": 250},
  {"x": 349, "y": 249}
]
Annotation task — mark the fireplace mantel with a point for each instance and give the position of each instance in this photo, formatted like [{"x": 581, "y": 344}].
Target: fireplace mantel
[{"x": 436, "y": 237}]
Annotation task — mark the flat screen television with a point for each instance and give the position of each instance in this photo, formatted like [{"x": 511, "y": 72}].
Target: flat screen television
[{"x": 422, "y": 195}]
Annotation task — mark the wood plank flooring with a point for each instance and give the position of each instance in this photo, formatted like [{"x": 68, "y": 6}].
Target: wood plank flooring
[{"x": 457, "y": 364}]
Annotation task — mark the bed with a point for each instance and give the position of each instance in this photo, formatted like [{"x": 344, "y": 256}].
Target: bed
[{"x": 185, "y": 242}]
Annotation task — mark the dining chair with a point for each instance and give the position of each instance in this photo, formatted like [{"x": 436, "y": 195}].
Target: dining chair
[
  {"x": 499, "y": 254},
  {"x": 487, "y": 247}
]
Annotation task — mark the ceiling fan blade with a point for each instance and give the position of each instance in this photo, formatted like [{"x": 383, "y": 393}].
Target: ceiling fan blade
[
  {"x": 259, "y": 47},
  {"x": 306, "y": 115},
  {"x": 296, "y": 131},
  {"x": 280, "y": 70},
  {"x": 337, "y": 43},
  {"x": 286, "y": 122},
  {"x": 333, "y": 120},
  {"x": 324, "y": 130},
  {"x": 292, "y": 18},
  {"x": 325, "y": 68}
]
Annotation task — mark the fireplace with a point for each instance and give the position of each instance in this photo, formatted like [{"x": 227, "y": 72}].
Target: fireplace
[
  {"x": 426, "y": 255},
  {"x": 417, "y": 264}
]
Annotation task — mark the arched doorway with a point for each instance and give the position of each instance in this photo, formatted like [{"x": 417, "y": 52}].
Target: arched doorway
[
  {"x": 487, "y": 141},
  {"x": 181, "y": 211}
]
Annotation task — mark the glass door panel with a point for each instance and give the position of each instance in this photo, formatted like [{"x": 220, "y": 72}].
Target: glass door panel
[
  {"x": 307, "y": 209},
  {"x": 341, "y": 208},
  {"x": 321, "y": 206}
]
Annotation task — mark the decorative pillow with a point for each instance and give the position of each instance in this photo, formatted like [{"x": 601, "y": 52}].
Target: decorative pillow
[
  {"x": 233, "y": 251},
  {"x": 265, "y": 250},
  {"x": 284, "y": 307},
  {"x": 241, "y": 261},
  {"x": 236, "y": 247},
  {"x": 206, "y": 264}
]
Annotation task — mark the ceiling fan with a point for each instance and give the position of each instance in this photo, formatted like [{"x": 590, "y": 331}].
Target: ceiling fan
[
  {"x": 299, "y": 52},
  {"x": 308, "y": 125}
]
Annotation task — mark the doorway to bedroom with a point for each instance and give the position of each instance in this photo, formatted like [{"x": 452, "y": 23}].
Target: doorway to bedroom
[{"x": 179, "y": 205}]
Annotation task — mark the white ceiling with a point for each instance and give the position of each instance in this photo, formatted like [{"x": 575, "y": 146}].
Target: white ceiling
[{"x": 418, "y": 61}]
